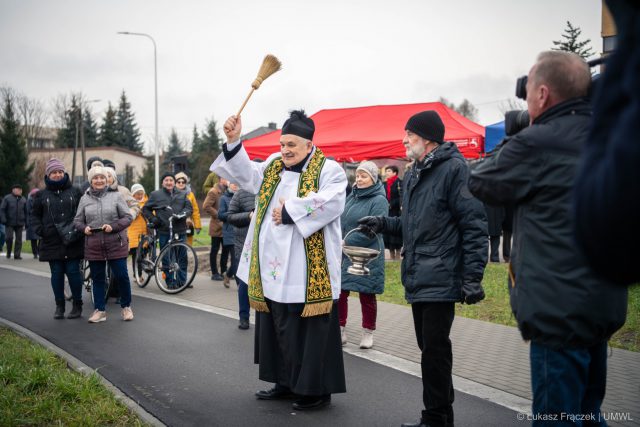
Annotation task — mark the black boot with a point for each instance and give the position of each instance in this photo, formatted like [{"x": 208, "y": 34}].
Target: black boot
[
  {"x": 76, "y": 311},
  {"x": 59, "y": 314}
]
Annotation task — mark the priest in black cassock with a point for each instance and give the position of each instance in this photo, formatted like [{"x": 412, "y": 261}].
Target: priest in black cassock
[{"x": 291, "y": 261}]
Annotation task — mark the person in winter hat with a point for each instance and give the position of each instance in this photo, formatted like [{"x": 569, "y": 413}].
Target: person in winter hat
[
  {"x": 366, "y": 198},
  {"x": 54, "y": 206}
]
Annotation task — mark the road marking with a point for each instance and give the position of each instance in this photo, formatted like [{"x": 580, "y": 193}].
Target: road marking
[{"x": 464, "y": 385}]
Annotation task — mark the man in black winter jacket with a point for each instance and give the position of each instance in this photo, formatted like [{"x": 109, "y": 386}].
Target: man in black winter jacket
[
  {"x": 565, "y": 310},
  {"x": 445, "y": 246},
  {"x": 13, "y": 214}
]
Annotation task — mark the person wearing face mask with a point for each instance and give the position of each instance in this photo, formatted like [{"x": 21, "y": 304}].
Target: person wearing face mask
[
  {"x": 57, "y": 204},
  {"x": 193, "y": 222},
  {"x": 103, "y": 216},
  {"x": 293, "y": 269},
  {"x": 445, "y": 248},
  {"x": 367, "y": 198}
]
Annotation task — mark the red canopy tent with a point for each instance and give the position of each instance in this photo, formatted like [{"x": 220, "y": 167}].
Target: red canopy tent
[{"x": 375, "y": 132}]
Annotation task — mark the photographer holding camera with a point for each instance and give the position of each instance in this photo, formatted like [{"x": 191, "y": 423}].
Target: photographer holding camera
[{"x": 565, "y": 310}]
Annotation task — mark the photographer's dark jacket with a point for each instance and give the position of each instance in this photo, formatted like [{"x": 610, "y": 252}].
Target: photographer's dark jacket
[
  {"x": 160, "y": 199},
  {"x": 556, "y": 298},
  {"x": 444, "y": 229},
  {"x": 56, "y": 204}
]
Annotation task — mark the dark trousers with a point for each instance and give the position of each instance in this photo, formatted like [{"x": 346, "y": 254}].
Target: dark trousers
[
  {"x": 567, "y": 383},
  {"x": 35, "y": 247},
  {"x": 216, "y": 242},
  {"x": 233, "y": 268},
  {"x": 243, "y": 299},
  {"x": 432, "y": 322},
  {"x": 506, "y": 245},
  {"x": 120, "y": 279},
  {"x": 10, "y": 231},
  {"x": 71, "y": 268},
  {"x": 494, "y": 255}
]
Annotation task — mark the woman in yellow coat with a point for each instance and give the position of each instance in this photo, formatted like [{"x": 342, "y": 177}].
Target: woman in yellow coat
[
  {"x": 139, "y": 225},
  {"x": 182, "y": 184}
]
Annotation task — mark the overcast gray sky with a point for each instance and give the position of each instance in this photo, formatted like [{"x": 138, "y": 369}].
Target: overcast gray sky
[{"x": 335, "y": 54}]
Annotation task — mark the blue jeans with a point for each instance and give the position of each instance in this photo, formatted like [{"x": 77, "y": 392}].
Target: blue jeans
[
  {"x": 568, "y": 385},
  {"x": 71, "y": 268},
  {"x": 120, "y": 277},
  {"x": 243, "y": 299},
  {"x": 180, "y": 255}
]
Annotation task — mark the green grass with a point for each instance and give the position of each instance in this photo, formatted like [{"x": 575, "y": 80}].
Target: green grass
[
  {"x": 37, "y": 388},
  {"x": 495, "y": 307}
]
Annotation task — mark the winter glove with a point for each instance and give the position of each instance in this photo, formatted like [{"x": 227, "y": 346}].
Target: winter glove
[
  {"x": 156, "y": 222},
  {"x": 472, "y": 292},
  {"x": 371, "y": 225}
]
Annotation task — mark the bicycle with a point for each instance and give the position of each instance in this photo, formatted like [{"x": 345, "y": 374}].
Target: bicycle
[{"x": 174, "y": 268}]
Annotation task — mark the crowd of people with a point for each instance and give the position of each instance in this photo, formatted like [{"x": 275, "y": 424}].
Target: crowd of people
[{"x": 280, "y": 225}]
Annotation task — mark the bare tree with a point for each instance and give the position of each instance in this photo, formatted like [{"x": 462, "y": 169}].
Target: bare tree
[
  {"x": 467, "y": 109},
  {"x": 511, "y": 104},
  {"x": 33, "y": 117}
]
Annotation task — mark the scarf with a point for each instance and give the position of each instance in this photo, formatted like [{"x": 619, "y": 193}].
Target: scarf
[
  {"x": 318, "y": 295},
  {"x": 390, "y": 182}
]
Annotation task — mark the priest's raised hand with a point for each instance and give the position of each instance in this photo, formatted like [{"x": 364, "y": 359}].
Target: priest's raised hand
[{"x": 232, "y": 128}]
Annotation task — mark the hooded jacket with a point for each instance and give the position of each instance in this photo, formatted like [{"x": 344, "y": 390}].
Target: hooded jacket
[
  {"x": 56, "y": 204},
  {"x": 557, "y": 299},
  {"x": 444, "y": 229},
  {"x": 361, "y": 202}
]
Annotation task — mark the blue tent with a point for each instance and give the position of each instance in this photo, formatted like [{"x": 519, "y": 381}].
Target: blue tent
[{"x": 493, "y": 135}]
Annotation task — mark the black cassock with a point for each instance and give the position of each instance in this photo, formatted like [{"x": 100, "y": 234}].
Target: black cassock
[{"x": 302, "y": 353}]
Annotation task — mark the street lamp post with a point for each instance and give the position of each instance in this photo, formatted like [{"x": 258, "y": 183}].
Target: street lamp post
[{"x": 155, "y": 80}]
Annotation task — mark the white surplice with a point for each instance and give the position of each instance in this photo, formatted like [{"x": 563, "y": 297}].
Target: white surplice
[{"x": 283, "y": 263}]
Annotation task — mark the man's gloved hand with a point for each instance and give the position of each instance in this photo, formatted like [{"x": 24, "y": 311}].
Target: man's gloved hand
[
  {"x": 472, "y": 292},
  {"x": 156, "y": 222},
  {"x": 371, "y": 225}
]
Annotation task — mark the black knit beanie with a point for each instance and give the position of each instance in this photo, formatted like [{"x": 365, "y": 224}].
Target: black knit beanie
[
  {"x": 428, "y": 125},
  {"x": 299, "y": 124},
  {"x": 166, "y": 174}
]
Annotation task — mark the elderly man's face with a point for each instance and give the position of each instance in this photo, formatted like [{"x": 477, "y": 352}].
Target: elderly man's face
[
  {"x": 537, "y": 96},
  {"x": 168, "y": 183},
  {"x": 294, "y": 149},
  {"x": 414, "y": 144}
]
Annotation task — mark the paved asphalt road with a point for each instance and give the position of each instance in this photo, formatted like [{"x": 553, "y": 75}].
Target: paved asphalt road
[{"x": 189, "y": 367}]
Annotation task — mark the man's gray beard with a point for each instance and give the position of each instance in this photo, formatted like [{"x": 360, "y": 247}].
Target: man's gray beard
[{"x": 415, "y": 155}]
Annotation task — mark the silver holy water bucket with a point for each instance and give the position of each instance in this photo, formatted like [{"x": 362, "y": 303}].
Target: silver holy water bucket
[{"x": 359, "y": 256}]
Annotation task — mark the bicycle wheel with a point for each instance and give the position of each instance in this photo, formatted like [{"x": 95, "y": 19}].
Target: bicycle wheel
[
  {"x": 143, "y": 267},
  {"x": 176, "y": 267}
]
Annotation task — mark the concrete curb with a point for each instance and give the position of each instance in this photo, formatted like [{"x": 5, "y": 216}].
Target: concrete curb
[{"x": 80, "y": 367}]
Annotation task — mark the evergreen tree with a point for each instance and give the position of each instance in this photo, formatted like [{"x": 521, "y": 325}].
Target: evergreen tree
[
  {"x": 126, "y": 129},
  {"x": 90, "y": 129},
  {"x": 205, "y": 148},
  {"x": 571, "y": 43},
  {"x": 174, "y": 148},
  {"x": 108, "y": 135},
  {"x": 67, "y": 134},
  {"x": 14, "y": 167},
  {"x": 147, "y": 180}
]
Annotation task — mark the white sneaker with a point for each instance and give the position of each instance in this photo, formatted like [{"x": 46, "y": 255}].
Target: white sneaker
[
  {"x": 98, "y": 316},
  {"x": 367, "y": 338},
  {"x": 343, "y": 335},
  {"x": 127, "y": 314}
]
